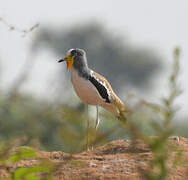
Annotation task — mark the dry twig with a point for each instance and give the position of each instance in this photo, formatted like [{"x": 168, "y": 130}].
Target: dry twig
[{"x": 24, "y": 32}]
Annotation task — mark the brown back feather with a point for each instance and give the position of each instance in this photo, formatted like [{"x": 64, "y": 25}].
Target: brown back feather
[{"x": 124, "y": 110}]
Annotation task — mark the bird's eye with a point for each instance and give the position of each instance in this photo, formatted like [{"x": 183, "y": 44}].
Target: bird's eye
[{"x": 73, "y": 52}]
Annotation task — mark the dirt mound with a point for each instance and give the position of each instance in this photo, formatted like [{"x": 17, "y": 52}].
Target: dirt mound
[{"x": 121, "y": 159}]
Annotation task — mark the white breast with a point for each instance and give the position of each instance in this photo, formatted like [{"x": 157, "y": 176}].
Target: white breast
[{"x": 85, "y": 90}]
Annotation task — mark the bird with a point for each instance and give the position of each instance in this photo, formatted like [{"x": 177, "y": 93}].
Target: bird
[{"x": 92, "y": 88}]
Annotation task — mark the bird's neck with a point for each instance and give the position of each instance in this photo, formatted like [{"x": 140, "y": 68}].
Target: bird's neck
[
  {"x": 82, "y": 72},
  {"x": 81, "y": 67}
]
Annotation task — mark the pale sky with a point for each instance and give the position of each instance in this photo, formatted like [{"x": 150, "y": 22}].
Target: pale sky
[{"x": 160, "y": 25}]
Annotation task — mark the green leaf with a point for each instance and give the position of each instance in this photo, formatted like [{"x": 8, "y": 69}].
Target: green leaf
[
  {"x": 20, "y": 173},
  {"x": 30, "y": 172},
  {"x": 32, "y": 177},
  {"x": 23, "y": 153}
]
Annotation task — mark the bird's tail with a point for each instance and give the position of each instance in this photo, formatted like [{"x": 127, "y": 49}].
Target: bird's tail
[{"x": 124, "y": 110}]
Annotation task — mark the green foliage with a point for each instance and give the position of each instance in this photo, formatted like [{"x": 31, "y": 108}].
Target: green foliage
[
  {"x": 165, "y": 113},
  {"x": 160, "y": 146},
  {"x": 26, "y": 116},
  {"x": 30, "y": 173},
  {"x": 14, "y": 154},
  {"x": 22, "y": 153}
]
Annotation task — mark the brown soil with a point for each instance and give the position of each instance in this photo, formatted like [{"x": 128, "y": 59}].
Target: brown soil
[{"x": 121, "y": 159}]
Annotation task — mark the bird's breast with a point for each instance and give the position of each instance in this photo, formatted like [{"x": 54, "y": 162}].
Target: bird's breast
[{"x": 85, "y": 90}]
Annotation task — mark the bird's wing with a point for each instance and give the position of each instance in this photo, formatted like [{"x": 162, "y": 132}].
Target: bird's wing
[
  {"x": 114, "y": 99},
  {"x": 106, "y": 84},
  {"x": 102, "y": 85}
]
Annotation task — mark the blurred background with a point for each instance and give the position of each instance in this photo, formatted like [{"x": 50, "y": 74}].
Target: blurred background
[{"x": 129, "y": 42}]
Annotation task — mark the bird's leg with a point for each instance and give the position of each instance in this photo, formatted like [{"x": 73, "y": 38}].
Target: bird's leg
[
  {"x": 87, "y": 138},
  {"x": 96, "y": 123},
  {"x": 97, "y": 119}
]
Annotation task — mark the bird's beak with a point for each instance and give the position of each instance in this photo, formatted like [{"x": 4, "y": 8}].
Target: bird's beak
[{"x": 69, "y": 60}]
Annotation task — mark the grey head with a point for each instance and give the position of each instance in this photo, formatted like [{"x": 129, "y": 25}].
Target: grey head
[{"x": 80, "y": 61}]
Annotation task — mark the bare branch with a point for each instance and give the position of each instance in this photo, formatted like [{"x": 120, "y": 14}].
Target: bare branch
[{"x": 24, "y": 32}]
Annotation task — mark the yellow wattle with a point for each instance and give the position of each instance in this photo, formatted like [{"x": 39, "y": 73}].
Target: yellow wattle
[{"x": 70, "y": 63}]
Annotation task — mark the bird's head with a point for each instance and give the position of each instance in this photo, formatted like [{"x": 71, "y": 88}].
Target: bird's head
[{"x": 76, "y": 57}]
